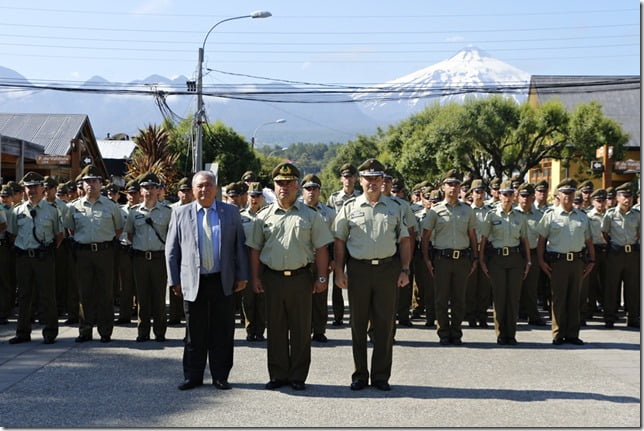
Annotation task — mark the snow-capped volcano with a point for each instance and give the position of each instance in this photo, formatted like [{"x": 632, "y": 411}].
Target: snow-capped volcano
[{"x": 469, "y": 73}]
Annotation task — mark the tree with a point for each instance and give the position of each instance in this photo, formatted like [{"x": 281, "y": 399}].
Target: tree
[{"x": 153, "y": 153}]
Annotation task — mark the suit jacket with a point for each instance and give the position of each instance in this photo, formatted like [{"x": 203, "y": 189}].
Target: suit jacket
[{"x": 182, "y": 249}]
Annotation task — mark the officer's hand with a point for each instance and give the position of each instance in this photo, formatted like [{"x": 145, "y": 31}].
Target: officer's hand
[
  {"x": 240, "y": 285},
  {"x": 545, "y": 268},
  {"x": 331, "y": 266},
  {"x": 473, "y": 267},
  {"x": 430, "y": 267},
  {"x": 403, "y": 280},
  {"x": 340, "y": 279},
  {"x": 484, "y": 269},
  {"x": 258, "y": 287},
  {"x": 589, "y": 267},
  {"x": 176, "y": 290},
  {"x": 319, "y": 287},
  {"x": 528, "y": 265}
]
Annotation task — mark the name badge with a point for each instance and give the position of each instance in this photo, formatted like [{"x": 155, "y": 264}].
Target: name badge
[
  {"x": 356, "y": 214},
  {"x": 138, "y": 216},
  {"x": 496, "y": 222}
]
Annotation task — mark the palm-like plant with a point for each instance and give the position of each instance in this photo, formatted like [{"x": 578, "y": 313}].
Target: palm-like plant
[{"x": 153, "y": 154}]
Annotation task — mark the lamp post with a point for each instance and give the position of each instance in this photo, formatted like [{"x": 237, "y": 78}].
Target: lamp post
[
  {"x": 252, "y": 139},
  {"x": 277, "y": 151},
  {"x": 197, "y": 162}
]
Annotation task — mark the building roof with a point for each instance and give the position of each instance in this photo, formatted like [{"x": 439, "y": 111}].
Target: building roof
[
  {"x": 618, "y": 95},
  {"x": 116, "y": 149}
]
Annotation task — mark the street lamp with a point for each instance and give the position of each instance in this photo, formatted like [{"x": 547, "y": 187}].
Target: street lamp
[
  {"x": 197, "y": 162},
  {"x": 252, "y": 139},
  {"x": 277, "y": 151}
]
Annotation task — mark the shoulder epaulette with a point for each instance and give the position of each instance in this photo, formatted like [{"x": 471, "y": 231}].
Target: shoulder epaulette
[
  {"x": 394, "y": 199},
  {"x": 351, "y": 199}
]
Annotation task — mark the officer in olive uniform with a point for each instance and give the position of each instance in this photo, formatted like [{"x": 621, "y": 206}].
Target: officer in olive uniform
[
  {"x": 7, "y": 261},
  {"x": 288, "y": 236},
  {"x": 610, "y": 197},
  {"x": 36, "y": 229},
  {"x": 184, "y": 192},
  {"x": 311, "y": 186},
  {"x": 348, "y": 178},
  {"x": 125, "y": 270},
  {"x": 563, "y": 232},
  {"x": 592, "y": 288},
  {"x": 421, "y": 277},
  {"x": 371, "y": 228},
  {"x": 541, "y": 196},
  {"x": 586, "y": 188},
  {"x": 506, "y": 230},
  {"x": 452, "y": 258},
  {"x": 18, "y": 193},
  {"x": 495, "y": 183},
  {"x": 147, "y": 227},
  {"x": 253, "y": 303},
  {"x": 621, "y": 228},
  {"x": 95, "y": 221}
]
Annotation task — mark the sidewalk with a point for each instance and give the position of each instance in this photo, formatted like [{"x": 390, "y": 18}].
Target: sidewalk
[{"x": 479, "y": 384}]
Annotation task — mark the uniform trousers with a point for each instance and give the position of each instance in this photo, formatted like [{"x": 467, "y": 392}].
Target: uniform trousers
[
  {"x": 565, "y": 282},
  {"x": 337, "y": 303},
  {"x": 95, "y": 271},
  {"x": 592, "y": 287},
  {"x": 450, "y": 280},
  {"x": 403, "y": 301},
  {"x": 254, "y": 305},
  {"x": 319, "y": 312},
  {"x": 528, "y": 301},
  {"x": 126, "y": 283},
  {"x": 425, "y": 286},
  {"x": 150, "y": 280},
  {"x": 622, "y": 267},
  {"x": 288, "y": 308},
  {"x": 36, "y": 275},
  {"x": 72, "y": 297},
  {"x": 61, "y": 259},
  {"x": 210, "y": 330},
  {"x": 478, "y": 296},
  {"x": 418, "y": 289},
  {"x": 506, "y": 273},
  {"x": 372, "y": 296},
  {"x": 7, "y": 280}
]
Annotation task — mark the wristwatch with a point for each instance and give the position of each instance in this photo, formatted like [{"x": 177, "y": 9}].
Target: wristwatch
[
  {"x": 322, "y": 279},
  {"x": 406, "y": 271}
]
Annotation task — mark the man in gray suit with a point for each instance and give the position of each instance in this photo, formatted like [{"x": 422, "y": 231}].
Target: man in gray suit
[{"x": 207, "y": 262}]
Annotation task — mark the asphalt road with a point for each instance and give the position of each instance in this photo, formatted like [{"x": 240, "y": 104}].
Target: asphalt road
[{"x": 478, "y": 384}]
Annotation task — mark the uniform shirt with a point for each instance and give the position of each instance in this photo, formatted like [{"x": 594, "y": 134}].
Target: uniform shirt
[
  {"x": 370, "y": 232},
  {"x": 623, "y": 228},
  {"x": 565, "y": 231},
  {"x": 408, "y": 214},
  {"x": 480, "y": 213},
  {"x": 328, "y": 214},
  {"x": 532, "y": 219},
  {"x": 595, "y": 219},
  {"x": 3, "y": 219},
  {"x": 247, "y": 218},
  {"x": 61, "y": 207},
  {"x": 337, "y": 199},
  {"x": 288, "y": 238},
  {"x": 21, "y": 224},
  {"x": 450, "y": 225},
  {"x": 144, "y": 237},
  {"x": 504, "y": 229},
  {"x": 96, "y": 222},
  {"x": 543, "y": 208},
  {"x": 125, "y": 210}
]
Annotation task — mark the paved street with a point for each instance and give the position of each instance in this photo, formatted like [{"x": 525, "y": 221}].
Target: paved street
[{"x": 479, "y": 384}]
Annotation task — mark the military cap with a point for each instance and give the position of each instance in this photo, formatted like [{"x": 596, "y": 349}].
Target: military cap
[
  {"x": 495, "y": 183},
  {"x": 50, "y": 182},
  {"x": 435, "y": 195},
  {"x": 477, "y": 185},
  {"x": 389, "y": 173},
  {"x": 625, "y": 189},
  {"x": 90, "y": 172},
  {"x": 466, "y": 184},
  {"x": 541, "y": 186},
  {"x": 506, "y": 187},
  {"x": 255, "y": 189},
  {"x": 6, "y": 190},
  {"x": 244, "y": 187},
  {"x": 71, "y": 186},
  {"x": 598, "y": 194},
  {"x": 249, "y": 176},
  {"x": 586, "y": 186},
  {"x": 397, "y": 185},
  {"x": 578, "y": 197},
  {"x": 132, "y": 186},
  {"x": 32, "y": 179},
  {"x": 348, "y": 169},
  {"x": 419, "y": 186},
  {"x": 184, "y": 184},
  {"x": 516, "y": 181},
  {"x": 426, "y": 192},
  {"x": 610, "y": 192},
  {"x": 371, "y": 168},
  {"x": 112, "y": 188},
  {"x": 452, "y": 176},
  {"x": 567, "y": 185},
  {"x": 235, "y": 189},
  {"x": 311, "y": 180},
  {"x": 149, "y": 179},
  {"x": 15, "y": 187},
  {"x": 526, "y": 189},
  {"x": 285, "y": 171},
  {"x": 62, "y": 189}
]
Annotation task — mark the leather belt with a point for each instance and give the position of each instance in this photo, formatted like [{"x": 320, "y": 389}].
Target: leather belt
[
  {"x": 628, "y": 248},
  {"x": 149, "y": 255},
  {"x": 570, "y": 257},
  {"x": 4, "y": 242},
  {"x": 375, "y": 262},
  {"x": 34, "y": 252},
  {"x": 125, "y": 246},
  {"x": 506, "y": 251},
  {"x": 95, "y": 246},
  {"x": 601, "y": 248},
  {"x": 451, "y": 253},
  {"x": 291, "y": 272}
]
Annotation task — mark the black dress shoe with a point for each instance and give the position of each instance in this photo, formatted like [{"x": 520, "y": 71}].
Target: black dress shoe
[
  {"x": 558, "y": 341},
  {"x": 19, "y": 339},
  {"x": 512, "y": 341},
  {"x": 430, "y": 324},
  {"x": 189, "y": 384},
  {"x": 337, "y": 323},
  {"x": 483, "y": 324},
  {"x": 457, "y": 341},
  {"x": 251, "y": 338},
  {"x": 105, "y": 339},
  {"x": 575, "y": 340},
  {"x": 71, "y": 321},
  {"x": 537, "y": 322},
  {"x": 142, "y": 338},
  {"x": 260, "y": 337},
  {"x": 381, "y": 385},
  {"x": 4, "y": 321},
  {"x": 320, "y": 338},
  {"x": 358, "y": 385},
  {"x": 406, "y": 323},
  {"x": 221, "y": 384},
  {"x": 501, "y": 341},
  {"x": 49, "y": 340},
  {"x": 122, "y": 322},
  {"x": 160, "y": 338},
  {"x": 610, "y": 325},
  {"x": 83, "y": 338},
  {"x": 298, "y": 385},
  {"x": 275, "y": 384},
  {"x": 444, "y": 341}
]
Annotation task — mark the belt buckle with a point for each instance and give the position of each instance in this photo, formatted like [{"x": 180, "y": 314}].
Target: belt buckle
[
  {"x": 288, "y": 273},
  {"x": 570, "y": 257},
  {"x": 148, "y": 255},
  {"x": 93, "y": 246},
  {"x": 456, "y": 254},
  {"x": 375, "y": 262},
  {"x": 505, "y": 251},
  {"x": 628, "y": 248},
  {"x": 31, "y": 252}
]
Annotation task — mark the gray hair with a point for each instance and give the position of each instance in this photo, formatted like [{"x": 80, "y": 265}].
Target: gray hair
[{"x": 209, "y": 174}]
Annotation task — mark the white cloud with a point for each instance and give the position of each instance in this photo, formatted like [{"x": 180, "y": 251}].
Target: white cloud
[
  {"x": 455, "y": 38},
  {"x": 152, "y": 6}
]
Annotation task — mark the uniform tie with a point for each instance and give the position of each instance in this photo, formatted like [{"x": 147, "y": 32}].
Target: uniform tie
[{"x": 207, "y": 256}]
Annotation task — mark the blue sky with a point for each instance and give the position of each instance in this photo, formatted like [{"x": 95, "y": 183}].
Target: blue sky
[{"x": 329, "y": 41}]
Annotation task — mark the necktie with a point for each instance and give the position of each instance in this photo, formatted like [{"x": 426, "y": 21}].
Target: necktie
[{"x": 207, "y": 256}]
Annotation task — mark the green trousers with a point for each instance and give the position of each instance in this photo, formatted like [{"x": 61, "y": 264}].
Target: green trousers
[
  {"x": 506, "y": 273},
  {"x": 126, "y": 283},
  {"x": 528, "y": 301},
  {"x": 622, "y": 268},
  {"x": 36, "y": 275},
  {"x": 7, "y": 280},
  {"x": 565, "y": 283},
  {"x": 450, "y": 280},
  {"x": 95, "y": 271},
  {"x": 254, "y": 305},
  {"x": 150, "y": 280}
]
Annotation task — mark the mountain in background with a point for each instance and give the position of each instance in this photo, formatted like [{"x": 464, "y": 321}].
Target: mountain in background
[{"x": 320, "y": 114}]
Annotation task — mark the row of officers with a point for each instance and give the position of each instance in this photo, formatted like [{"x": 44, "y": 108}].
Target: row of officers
[{"x": 464, "y": 256}]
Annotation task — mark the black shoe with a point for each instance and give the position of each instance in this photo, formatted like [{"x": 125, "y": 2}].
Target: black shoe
[
  {"x": 512, "y": 341},
  {"x": 320, "y": 338},
  {"x": 221, "y": 384},
  {"x": 19, "y": 339},
  {"x": 4, "y": 321},
  {"x": 83, "y": 338},
  {"x": 583, "y": 323},
  {"x": 160, "y": 338},
  {"x": 298, "y": 385},
  {"x": 189, "y": 384},
  {"x": 444, "y": 341},
  {"x": 122, "y": 321},
  {"x": 483, "y": 323},
  {"x": 49, "y": 340},
  {"x": 609, "y": 325},
  {"x": 174, "y": 322},
  {"x": 558, "y": 341},
  {"x": 406, "y": 323},
  {"x": 337, "y": 323},
  {"x": 381, "y": 385},
  {"x": 358, "y": 385},
  {"x": 71, "y": 321},
  {"x": 260, "y": 337},
  {"x": 106, "y": 339},
  {"x": 501, "y": 341},
  {"x": 575, "y": 340},
  {"x": 633, "y": 324},
  {"x": 251, "y": 337},
  {"x": 537, "y": 322},
  {"x": 430, "y": 324},
  {"x": 416, "y": 315},
  {"x": 457, "y": 341},
  {"x": 142, "y": 338},
  {"x": 275, "y": 384},
  {"x": 472, "y": 323}
]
